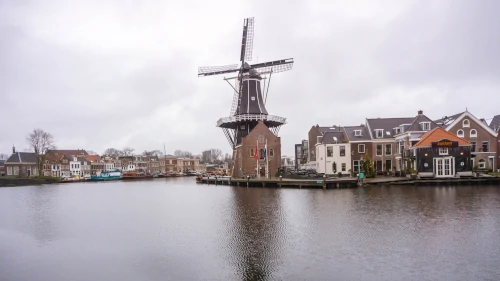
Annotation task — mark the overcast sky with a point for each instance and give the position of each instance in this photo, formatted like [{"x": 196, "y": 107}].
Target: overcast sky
[{"x": 110, "y": 73}]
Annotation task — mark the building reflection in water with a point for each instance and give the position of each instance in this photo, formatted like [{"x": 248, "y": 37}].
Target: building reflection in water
[
  {"x": 255, "y": 233},
  {"x": 40, "y": 203}
]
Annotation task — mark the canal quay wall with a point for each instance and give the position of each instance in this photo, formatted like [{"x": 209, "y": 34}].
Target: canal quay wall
[
  {"x": 344, "y": 182},
  {"x": 7, "y": 181}
]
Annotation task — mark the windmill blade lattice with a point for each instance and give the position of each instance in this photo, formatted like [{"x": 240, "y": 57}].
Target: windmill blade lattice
[
  {"x": 249, "y": 40},
  {"x": 213, "y": 70},
  {"x": 274, "y": 66},
  {"x": 236, "y": 97}
]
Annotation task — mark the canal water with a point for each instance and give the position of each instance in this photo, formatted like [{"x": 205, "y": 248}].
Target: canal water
[{"x": 174, "y": 229}]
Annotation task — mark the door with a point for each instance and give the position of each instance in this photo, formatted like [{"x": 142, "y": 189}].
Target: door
[{"x": 444, "y": 167}]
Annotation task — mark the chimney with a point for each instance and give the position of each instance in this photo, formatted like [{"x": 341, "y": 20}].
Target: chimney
[
  {"x": 420, "y": 112},
  {"x": 13, "y": 149}
]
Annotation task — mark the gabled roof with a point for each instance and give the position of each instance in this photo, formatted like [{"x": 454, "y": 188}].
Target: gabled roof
[
  {"x": 22, "y": 157},
  {"x": 447, "y": 120},
  {"x": 495, "y": 123},
  {"x": 93, "y": 158},
  {"x": 415, "y": 125},
  {"x": 386, "y": 124},
  {"x": 475, "y": 119},
  {"x": 67, "y": 152},
  {"x": 438, "y": 134},
  {"x": 349, "y": 131},
  {"x": 332, "y": 137},
  {"x": 324, "y": 129}
]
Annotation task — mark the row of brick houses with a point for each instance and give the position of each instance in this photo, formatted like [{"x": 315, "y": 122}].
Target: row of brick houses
[
  {"x": 67, "y": 163},
  {"x": 391, "y": 143}
]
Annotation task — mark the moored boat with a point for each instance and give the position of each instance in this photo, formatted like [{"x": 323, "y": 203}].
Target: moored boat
[
  {"x": 106, "y": 176},
  {"x": 135, "y": 176}
]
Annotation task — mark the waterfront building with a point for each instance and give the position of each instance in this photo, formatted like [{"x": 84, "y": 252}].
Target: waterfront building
[
  {"x": 22, "y": 164},
  {"x": 309, "y": 151},
  {"x": 482, "y": 138},
  {"x": 382, "y": 132},
  {"x": 333, "y": 153},
  {"x": 407, "y": 135},
  {"x": 440, "y": 154},
  {"x": 360, "y": 143}
]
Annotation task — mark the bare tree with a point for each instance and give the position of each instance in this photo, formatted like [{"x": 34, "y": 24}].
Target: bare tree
[
  {"x": 184, "y": 154},
  {"x": 229, "y": 160},
  {"x": 215, "y": 155},
  {"x": 113, "y": 152},
  {"x": 155, "y": 152},
  {"x": 127, "y": 151},
  {"x": 39, "y": 142}
]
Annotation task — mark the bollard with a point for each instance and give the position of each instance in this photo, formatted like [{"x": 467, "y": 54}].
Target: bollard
[
  {"x": 248, "y": 181},
  {"x": 324, "y": 181}
]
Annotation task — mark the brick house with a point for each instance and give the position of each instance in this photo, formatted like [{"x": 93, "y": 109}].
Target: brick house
[
  {"x": 56, "y": 163},
  {"x": 495, "y": 125},
  {"x": 246, "y": 164},
  {"x": 382, "y": 132},
  {"x": 21, "y": 164},
  {"x": 314, "y": 136},
  {"x": 360, "y": 143},
  {"x": 407, "y": 135},
  {"x": 2, "y": 167},
  {"x": 483, "y": 139}
]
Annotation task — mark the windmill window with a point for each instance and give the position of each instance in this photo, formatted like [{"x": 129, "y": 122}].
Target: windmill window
[
  {"x": 271, "y": 152},
  {"x": 466, "y": 123},
  {"x": 473, "y": 133},
  {"x": 460, "y": 133}
]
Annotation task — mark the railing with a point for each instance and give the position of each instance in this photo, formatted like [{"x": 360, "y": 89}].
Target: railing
[{"x": 251, "y": 117}]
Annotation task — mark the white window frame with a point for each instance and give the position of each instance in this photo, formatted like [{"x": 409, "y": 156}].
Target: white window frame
[
  {"x": 330, "y": 146},
  {"x": 16, "y": 171},
  {"x": 318, "y": 139},
  {"x": 343, "y": 167},
  {"x": 357, "y": 133},
  {"x": 363, "y": 146},
  {"x": 443, "y": 151},
  {"x": 473, "y": 135},
  {"x": 9, "y": 171},
  {"x": 426, "y": 126},
  {"x": 381, "y": 151},
  {"x": 377, "y": 131},
  {"x": 481, "y": 164},
  {"x": 466, "y": 123},
  {"x": 460, "y": 135},
  {"x": 385, "y": 149}
]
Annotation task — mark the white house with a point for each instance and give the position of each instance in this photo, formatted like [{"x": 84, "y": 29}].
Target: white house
[
  {"x": 333, "y": 154},
  {"x": 75, "y": 166}
]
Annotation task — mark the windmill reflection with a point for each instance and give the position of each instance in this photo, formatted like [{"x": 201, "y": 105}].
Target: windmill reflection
[{"x": 256, "y": 233}]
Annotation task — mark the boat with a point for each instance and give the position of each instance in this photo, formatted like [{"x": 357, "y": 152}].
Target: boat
[
  {"x": 106, "y": 176},
  {"x": 191, "y": 174},
  {"x": 136, "y": 176}
]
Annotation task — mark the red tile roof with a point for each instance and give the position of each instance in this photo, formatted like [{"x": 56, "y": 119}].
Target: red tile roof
[{"x": 438, "y": 134}]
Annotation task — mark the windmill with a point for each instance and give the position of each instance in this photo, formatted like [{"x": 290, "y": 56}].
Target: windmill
[{"x": 248, "y": 107}]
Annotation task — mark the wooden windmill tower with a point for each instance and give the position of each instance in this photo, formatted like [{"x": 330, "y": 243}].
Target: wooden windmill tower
[{"x": 249, "y": 125}]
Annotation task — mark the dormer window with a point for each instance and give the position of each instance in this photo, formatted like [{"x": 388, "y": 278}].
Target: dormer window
[
  {"x": 357, "y": 133},
  {"x": 466, "y": 123},
  {"x": 397, "y": 130},
  {"x": 379, "y": 133},
  {"x": 426, "y": 126}
]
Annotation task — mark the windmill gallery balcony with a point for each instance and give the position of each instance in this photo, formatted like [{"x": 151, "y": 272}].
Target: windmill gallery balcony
[{"x": 229, "y": 122}]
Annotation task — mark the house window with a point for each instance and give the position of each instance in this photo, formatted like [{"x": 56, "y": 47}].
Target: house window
[
  {"x": 466, "y": 123},
  {"x": 388, "y": 165},
  {"x": 379, "y": 133},
  {"x": 443, "y": 151},
  {"x": 261, "y": 153},
  {"x": 355, "y": 166},
  {"x": 342, "y": 150},
  {"x": 485, "y": 146},
  {"x": 318, "y": 139},
  {"x": 388, "y": 149},
  {"x": 252, "y": 153},
  {"x": 329, "y": 151},
  {"x": 16, "y": 171},
  {"x": 9, "y": 171},
  {"x": 426, "y": 126},
  {"x": 361, "y": 148},
  {"x": 357, "y": 133},
  {"x": 473, "y": 133},
  {"x": 460, "y": 133},
  {"x": 473, "y": 146},
  {"x": 397, "y": 130},
  {"x": 343, "y": 167},
  {"x": 271, "y": 152},
  {"x": 379, "y": 150},
  {"x": 261, "y": 138},
  {"x": 401, "y": 147},
  {"x": 482, "y": 164}
]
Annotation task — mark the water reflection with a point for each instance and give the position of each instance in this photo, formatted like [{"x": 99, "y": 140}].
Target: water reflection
[
  {"x": 41, "y": 204},
  {"x": 256, "y": 233}
]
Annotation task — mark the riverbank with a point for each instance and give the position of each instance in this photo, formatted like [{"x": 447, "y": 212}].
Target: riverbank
[
  {"x": 10, "y": 181},
  {"x": 347, "y": 182}
]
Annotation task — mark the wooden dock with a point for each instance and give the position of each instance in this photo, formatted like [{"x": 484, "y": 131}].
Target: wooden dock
[{"x": 350, "y": 182}]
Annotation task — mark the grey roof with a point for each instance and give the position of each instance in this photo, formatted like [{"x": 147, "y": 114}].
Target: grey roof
[
  {"x": 324, "y": 129},
  {"x": 22, "y": 157},
  {"x": 388, "y": 125},
  {"x": 495, "y": 123},
  {"x": 447, "y": 120},
  {"x": 415, "y": 126},
  {"x": 2, "y": 162},
  {"x": 349, "y": 131},
  {"x": 332, "y": 137}
]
